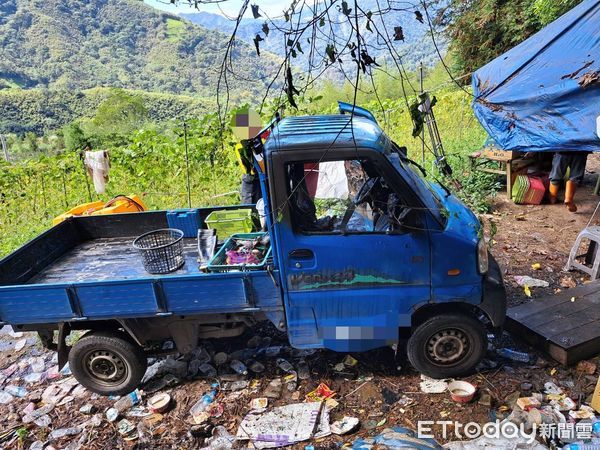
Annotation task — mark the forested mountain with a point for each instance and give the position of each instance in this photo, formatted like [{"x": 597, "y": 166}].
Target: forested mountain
[{"x": 75, "y": 45}]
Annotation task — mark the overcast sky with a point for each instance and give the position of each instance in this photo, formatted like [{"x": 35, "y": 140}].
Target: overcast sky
[{"x": 229, "y": 7}]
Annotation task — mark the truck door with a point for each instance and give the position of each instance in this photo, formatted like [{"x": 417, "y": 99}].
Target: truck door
[{"x": 355, "y": 256}]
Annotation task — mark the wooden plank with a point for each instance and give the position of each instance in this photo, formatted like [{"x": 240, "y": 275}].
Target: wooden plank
[
  {"x": 545, "y": 303},
  {"x": 498, "y": 155},
  {"x": 567, "y": 331}
]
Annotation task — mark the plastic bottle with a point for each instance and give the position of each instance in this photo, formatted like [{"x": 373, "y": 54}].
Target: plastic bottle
[
  {"x": 238, "y": 367},
  {"x": 285, "y": 365},
  {"x": 126, "y": 402},
  {"x": 201, "y": 405},
  {"x": 514, "y": 355}
]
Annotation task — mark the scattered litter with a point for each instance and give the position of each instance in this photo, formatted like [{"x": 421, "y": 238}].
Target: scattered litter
[
  {"x": 159, "y": 403},
  {"x": 62, "y": 432},
  {"x": 197, "y": 411},
  {"x": 112, "y": 414},
  {"x": 526, "y": 280},
  {"x": 587, "y": 367},
  {"x": 285, "y": 365},
  {"x": 493, "y": 443},
  {"x": 514, "y": 355},
  {"x": 285, "y": 425},
  {"x": 88, "y": 409},
  {"x": 536, "y": 266},
  {"x": 20, "y": 345},
  {"x": 461, "y": 391},
  {"x": 239, "y": 367},
  {"x": 321, "y": 393},
  {"x": 345, "y": 425},
  {"x": 527, "y": 403},
  {"x": 16, "y": 391},
  {"x": 164, "y": 366},
  {"x": 433, "y": 386},
  {"x": 396, "y": 437},
  {"x": 5, "y": 398},
  {"x": 220, "y": 440},
  {"x": 551, "y": 388},
  {"x": 349, "y": 361},
  {"x": 259, "y": 404},
  {"x": 274, "y": 388}
]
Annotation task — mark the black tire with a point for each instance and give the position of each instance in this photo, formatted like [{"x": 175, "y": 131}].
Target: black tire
[
  {"x": 447, "y": 346},
  {"x": 108, "y": 363}
]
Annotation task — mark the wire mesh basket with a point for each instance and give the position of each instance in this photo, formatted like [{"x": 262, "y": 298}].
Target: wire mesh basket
[{"x": 161, "y": 250}]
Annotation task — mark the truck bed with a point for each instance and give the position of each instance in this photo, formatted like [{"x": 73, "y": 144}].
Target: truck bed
[
  {"x": 86, "y": 269},
  {"x": 108, "y": 259}
]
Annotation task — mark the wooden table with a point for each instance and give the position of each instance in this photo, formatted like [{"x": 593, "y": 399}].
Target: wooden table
[{"x": 511, "y": 163}]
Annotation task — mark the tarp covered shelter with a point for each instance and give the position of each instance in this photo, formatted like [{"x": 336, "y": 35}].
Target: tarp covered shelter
[{"x": 544, "y": 94}]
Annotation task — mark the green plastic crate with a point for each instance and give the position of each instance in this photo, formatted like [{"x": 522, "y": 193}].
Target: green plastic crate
[
  {"x": 230, "y": 221},
  {"x": 218, "y": 263}
]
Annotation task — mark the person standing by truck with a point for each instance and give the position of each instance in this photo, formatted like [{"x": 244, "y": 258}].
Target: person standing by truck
[
  {"x": 250, "y": 189},
  {"x": 575, "y": 162}
]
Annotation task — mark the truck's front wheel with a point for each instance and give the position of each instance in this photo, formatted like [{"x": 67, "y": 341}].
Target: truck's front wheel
[
  {"x": 107, "y": 363},
  {"x": 448, "y": 345}
]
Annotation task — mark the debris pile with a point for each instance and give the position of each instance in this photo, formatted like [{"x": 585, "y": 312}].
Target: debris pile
[{"x": 259, "y": 392}]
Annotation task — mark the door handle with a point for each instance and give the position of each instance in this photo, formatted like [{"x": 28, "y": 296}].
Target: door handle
[{"x": 302, "y": 253}]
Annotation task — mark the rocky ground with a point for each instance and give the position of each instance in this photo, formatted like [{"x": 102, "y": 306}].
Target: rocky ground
[{"x": 41, "y": 407}]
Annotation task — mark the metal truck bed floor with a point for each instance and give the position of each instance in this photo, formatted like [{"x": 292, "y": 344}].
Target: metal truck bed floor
[
  {"x": 108, "y": 259},
  {"x": 568, "y": 331}
]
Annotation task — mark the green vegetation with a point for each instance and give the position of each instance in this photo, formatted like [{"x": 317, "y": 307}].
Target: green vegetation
[
  {"x": 42, "y": 111},
  {"x": 480, "y": 30}
]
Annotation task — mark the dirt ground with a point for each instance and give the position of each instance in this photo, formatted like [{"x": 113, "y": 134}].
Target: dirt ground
[{"x": 380, "y": 390}]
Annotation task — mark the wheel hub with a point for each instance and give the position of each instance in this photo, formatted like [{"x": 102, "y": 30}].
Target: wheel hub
[
  {"x": 447, "y": 346},
  {"x": 105, "y": 366}
]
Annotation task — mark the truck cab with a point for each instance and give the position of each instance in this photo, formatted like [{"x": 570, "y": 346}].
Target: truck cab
[{"x": 369, "y": 251}]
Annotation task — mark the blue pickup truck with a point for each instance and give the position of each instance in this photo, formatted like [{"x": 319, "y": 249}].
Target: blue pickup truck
[{"x": 366, "y": 253}]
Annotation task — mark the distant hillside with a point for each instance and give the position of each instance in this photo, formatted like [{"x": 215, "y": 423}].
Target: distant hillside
[
  {"x": 416, "y": 47},
  {"x": 75, "y": 45},
  {"x": 42, "y": 110}
]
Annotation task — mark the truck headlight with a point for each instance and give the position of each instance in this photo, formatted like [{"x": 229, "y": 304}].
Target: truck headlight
[{"x": 482, "y": 256}]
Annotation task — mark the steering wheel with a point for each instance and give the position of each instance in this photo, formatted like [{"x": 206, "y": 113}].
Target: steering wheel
[{"x": 363, "y": 193}]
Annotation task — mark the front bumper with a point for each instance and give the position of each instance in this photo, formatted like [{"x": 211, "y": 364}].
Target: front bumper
[{"x": 494, "y": 294}]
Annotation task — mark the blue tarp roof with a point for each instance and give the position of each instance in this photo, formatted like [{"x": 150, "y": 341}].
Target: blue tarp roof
[{"x": 544, "y": 94}]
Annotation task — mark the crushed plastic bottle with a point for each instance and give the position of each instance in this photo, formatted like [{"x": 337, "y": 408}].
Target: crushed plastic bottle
[
  {"x": 285, "y": 365},
  {"x": 239, "y": 367},
  {"x": 208, "y": 371},
  {"x": 16, "y": 391},
  {"x": 256, "y": 366},
  {"x": 514, "y": 355},
  {"x": 62, "y": 432}
]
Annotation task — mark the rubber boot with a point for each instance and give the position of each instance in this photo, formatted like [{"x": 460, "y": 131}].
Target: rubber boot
[
  {"x": 570, "y": 189},
  {"x": 553, "y": 193}
]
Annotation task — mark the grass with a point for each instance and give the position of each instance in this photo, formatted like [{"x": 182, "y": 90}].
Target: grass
[{"x": 175, "y": 29}]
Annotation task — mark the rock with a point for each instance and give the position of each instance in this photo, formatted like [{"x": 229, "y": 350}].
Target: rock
[{"x": 37, "y": 445}]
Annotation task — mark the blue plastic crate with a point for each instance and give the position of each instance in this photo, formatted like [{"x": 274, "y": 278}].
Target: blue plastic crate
[{"x": 186, "y": 220}]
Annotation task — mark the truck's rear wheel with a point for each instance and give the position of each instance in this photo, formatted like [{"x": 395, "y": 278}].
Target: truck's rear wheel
[
  {"x": 448, "y": 345},
  {"x": 107, "y": 363}
]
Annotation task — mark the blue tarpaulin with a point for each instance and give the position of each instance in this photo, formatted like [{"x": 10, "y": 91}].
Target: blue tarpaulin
[{"x": 544, "y": 94}]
